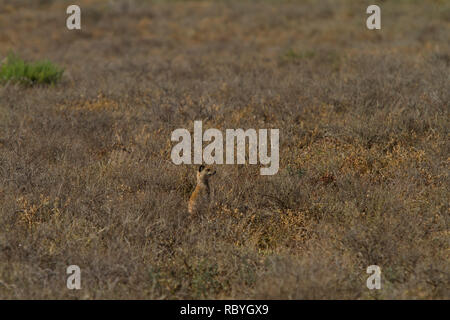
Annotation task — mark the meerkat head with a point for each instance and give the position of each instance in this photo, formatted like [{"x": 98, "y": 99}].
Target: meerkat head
[{"x": 204, "y": 173}]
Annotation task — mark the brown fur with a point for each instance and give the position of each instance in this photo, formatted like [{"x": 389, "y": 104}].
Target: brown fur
[{"x": 200, "y": 198}]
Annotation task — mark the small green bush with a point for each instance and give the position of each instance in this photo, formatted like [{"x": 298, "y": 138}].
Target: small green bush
[
  {"x": 16, "y": 70},
  {"x": 291, "y": 55}
]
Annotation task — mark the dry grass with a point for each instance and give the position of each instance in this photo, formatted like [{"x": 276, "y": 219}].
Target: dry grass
[{"x": 85, "y": 171}]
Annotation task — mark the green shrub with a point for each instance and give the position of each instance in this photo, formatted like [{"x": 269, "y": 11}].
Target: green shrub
[
  {"x": 292, "y": 55},
  {"x": 16, "y": 70}
]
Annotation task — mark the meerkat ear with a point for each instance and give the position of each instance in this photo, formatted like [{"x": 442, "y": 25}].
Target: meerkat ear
[{"x": 200, "y": 169}]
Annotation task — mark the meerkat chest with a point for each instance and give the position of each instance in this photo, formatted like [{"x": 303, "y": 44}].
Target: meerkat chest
[
  {"x": 199, "y": 198},
  {"x": 202, "y": 192}
]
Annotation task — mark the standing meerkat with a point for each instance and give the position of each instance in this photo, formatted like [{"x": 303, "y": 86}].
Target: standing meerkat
[{"x": 200, "y": 198}]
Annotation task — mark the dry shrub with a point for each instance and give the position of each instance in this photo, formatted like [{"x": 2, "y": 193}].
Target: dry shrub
[{"x": 86, "y": 176}]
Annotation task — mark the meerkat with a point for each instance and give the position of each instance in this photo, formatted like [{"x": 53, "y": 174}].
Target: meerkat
[{"x": 200, "y": 198}]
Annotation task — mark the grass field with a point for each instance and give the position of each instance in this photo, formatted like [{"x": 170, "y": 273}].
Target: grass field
[{"x": 86, "y": 176}]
